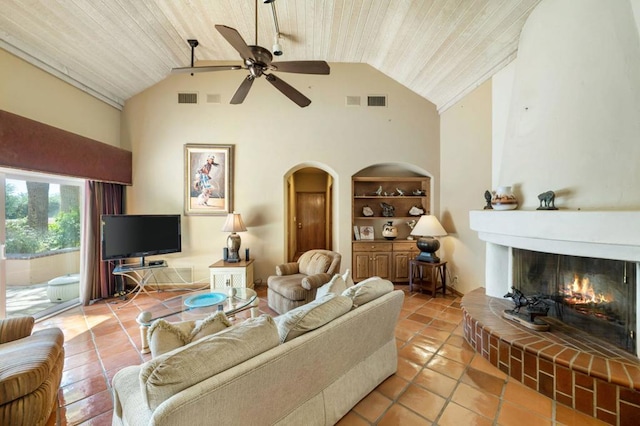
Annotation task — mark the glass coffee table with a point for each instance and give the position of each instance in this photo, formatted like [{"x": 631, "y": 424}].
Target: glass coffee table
[{"x": 198, "y": 305}]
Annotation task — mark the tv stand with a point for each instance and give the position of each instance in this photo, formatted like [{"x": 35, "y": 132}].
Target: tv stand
[{"x": 139, "y": 274}]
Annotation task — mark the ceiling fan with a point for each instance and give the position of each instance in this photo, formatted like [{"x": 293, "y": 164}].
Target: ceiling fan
[{"x": 257, "y": 60}]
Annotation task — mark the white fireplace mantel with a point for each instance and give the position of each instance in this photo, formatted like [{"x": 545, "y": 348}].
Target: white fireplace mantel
[{"x": 602, "y": 234}]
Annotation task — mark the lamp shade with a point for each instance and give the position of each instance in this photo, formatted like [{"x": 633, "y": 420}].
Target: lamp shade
[
  {"x": 234, "y": 223},
  {"x": 428, "y": 226}
]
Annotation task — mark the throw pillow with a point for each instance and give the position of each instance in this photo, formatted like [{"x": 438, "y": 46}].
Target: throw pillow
[
  {"x": 210, "y": 325},
  {"x": 165, "y": 336},
  {"x": 348, "y": 281},
  {"x": 367, "y": 290},
  {"x": 336, "y": 285},
  {"x": 313, "y": 315},
  {"x": 168, "y": 374}
]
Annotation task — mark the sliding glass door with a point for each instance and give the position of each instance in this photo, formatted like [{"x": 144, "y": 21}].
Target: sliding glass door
[{"x": 40, "y": 236}]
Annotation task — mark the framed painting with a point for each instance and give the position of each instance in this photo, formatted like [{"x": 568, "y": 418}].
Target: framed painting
[
  {"x": 208, "y": 179},
  {"x": 366, "y": 233}
]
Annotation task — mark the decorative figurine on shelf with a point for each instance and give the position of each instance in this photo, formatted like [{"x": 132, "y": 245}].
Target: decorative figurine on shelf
[
  {"x": 400, "y": 191},
  {"x": 389, "y": 231},
  {"x": 367, "y": 211},
  {"x": 535, "y": 307},
  {"x": 487, "y": 198},
  {"x": 416, "y": 211},
  {"x": 379, "y": 191},
  {"x": 547, "y": 201},
  {"x": 411, "y": 224},
  {"x": 419, "y": 192},
  {"x": 387, "y": 210}
]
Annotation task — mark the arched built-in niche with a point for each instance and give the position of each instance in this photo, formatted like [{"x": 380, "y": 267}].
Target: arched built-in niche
[{"x": 385, "y": 196}]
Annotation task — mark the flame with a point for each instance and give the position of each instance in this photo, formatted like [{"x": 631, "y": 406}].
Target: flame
[{"x": 581, "y": 291}]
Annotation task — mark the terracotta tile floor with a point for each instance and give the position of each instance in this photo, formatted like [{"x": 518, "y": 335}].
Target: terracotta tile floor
[{"x": 440, "y": 380}]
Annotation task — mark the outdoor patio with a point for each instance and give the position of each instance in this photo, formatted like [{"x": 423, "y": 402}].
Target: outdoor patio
[{"x": 32, "y": 300}]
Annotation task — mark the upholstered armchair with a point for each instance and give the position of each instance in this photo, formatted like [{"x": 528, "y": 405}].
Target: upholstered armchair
[
  {"x": 295, "y": 283},
  {"x": 31, "y": 371}
]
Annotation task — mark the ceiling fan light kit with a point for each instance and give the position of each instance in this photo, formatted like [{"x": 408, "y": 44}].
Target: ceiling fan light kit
[
  {"x": 257, "y": 60},
  {"x": 277, "y": 48}
]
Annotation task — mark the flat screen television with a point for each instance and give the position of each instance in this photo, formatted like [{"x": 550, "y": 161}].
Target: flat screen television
[{"x": 127, "y": 236}]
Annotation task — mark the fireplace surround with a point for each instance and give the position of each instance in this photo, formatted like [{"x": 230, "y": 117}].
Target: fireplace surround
[
  {"x": 566, "y": 364},
  {"x": 612, "y": 235}
]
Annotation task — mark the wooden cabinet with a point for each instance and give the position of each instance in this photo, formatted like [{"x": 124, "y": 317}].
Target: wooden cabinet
[
  {"x": 403, "y": 252},
  {"x": 238, "y": 274},
  {"x": 387, "y": 259},
  {"x": 371, "y": 259}
]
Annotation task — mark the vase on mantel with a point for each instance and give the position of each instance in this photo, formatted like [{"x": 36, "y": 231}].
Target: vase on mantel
[{"x": 503, "y": 199}]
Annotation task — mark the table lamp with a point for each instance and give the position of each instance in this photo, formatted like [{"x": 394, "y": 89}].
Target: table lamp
[
  {"x": 427, "y": 228},
  {"x": 233, "y": 224}
]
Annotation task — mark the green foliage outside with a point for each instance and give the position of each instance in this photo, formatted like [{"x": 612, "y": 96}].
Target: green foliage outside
[{"x": 63, "y": 232}]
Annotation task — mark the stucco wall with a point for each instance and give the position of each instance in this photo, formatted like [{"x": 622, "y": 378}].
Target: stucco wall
[
  {"x": 30, "y": 92},
  {"x": 572, "y": 123},
  {"x": 465, "y": 174},
  {"x": 273, "y": 137}
]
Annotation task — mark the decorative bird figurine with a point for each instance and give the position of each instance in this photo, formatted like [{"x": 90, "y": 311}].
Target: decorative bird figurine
[
  {"x": 400, "y": 191},
  {"x": 379, "y": 191}
]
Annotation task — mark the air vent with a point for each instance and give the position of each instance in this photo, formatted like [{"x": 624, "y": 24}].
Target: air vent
[
  {"x": 187, "y": 98},
  {"x": 353, "y": 100},
  {"x": 377, "y": 101},
  {"x": 213, "y": 99}
]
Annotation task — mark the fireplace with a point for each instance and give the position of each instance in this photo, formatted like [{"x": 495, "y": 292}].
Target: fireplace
[
  {"x": 577, "y": 241},
  {"x": 594, "y": 295},
  {"x": 586, "y": 265}
]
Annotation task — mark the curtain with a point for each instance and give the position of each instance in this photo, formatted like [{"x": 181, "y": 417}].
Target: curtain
[{"x": 98, "y": 281}]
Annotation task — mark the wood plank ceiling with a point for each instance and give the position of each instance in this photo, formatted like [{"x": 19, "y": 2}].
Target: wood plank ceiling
[{"x": 114, "y": 49}]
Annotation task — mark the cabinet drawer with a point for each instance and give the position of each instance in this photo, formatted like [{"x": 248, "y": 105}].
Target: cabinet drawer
[
  {"x": 372, "y": 246},
  {"x": 405, "y": 245}
]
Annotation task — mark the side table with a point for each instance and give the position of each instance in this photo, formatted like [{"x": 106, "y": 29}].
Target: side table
[
  {"x": 237, "y": 274},
  {"x": 431, "y": 276}
]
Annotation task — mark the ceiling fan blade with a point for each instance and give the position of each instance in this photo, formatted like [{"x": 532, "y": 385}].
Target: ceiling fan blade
[
  {"x": 243, "y": 90},
  {"x": 205, "y": 69},
  {"x": 235, "y": 39},
  {"x": 288, "y": 91},
  {"x": 302, "y": 67}
]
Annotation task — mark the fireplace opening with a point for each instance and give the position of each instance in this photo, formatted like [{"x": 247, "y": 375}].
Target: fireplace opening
[{"x": 597, "y": 296}]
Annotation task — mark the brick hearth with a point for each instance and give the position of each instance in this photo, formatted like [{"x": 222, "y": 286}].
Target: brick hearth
[{"x": 565, "y": 364}]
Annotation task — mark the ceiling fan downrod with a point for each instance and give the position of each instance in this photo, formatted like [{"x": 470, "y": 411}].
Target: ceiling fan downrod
[{"x": 193, "y": 43}]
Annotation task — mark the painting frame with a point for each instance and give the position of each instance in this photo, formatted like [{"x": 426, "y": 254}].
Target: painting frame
[{"x": 208, "y": 182}]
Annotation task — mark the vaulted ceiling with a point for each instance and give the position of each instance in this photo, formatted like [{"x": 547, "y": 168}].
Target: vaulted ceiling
[{"x": 114, "y": 49}]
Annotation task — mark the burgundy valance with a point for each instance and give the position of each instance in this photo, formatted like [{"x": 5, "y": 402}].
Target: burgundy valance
[{"x": 30, "y": 145}]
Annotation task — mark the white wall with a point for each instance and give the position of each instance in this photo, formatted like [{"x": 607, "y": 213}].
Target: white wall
[
  {"x": 273, "y": 137},
  {"x": 465, "y": 138},
  {"x": 574, "y": 106},
  {"x": 35, "y": 94}
]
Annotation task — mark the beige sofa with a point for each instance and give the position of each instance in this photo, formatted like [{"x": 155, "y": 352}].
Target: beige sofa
[{"x": 314, "y": 378}]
